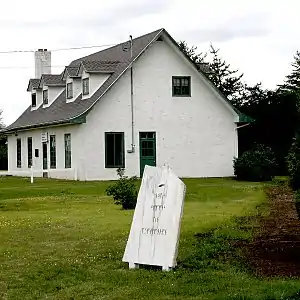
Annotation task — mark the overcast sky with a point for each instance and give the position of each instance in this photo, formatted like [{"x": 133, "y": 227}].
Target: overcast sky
[{"x": 259, "y": 37}]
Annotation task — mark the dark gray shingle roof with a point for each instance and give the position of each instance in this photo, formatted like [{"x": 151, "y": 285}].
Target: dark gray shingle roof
[
  {"x": 52, "y": 79},
  {"x": 60, "y": 111},
  {"x": 72, "y": 71},
  {"x": 33, "y": 84},
  {"x": 103, "y": 66}
]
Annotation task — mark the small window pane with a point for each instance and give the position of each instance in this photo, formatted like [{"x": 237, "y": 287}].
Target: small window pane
[
  {"x": 52, "y": 152},
  {"x": 29, "y": 152},
  {"x": 19, "y": 154}
]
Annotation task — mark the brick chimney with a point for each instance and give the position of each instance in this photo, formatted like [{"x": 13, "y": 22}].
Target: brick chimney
[{"x": 42, "y": 59}]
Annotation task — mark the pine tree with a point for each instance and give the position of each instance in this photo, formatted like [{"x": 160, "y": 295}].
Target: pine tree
[
  {"x": 226, "y": 80},
  {"x": 292, "y": 81}
]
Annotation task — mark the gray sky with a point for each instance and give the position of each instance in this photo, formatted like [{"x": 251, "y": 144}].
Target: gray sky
[{"x": 259, "y": 37}]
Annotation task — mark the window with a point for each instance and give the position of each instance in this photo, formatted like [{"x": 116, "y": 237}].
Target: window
[
  {"x": 45, "y": 96},
  {"x": 85, "y": 86},
  {"x": 181, "y": 86},
  {"x": 33, "y": 100},
  {"x": 114, "y": 150},
  {"x": 69, "y": 90},
  {"x": 52, "y": 152},
  {"x": 67, "y": 150},
  {"x": 29, "y": 151},
  {"x": 19, "y": 161}
]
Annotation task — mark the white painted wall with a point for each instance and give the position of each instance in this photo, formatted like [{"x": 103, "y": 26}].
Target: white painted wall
[
  {"x": 53, "y": 93},
  {"x": 96, "y": 80},
  {"x": 77, "y": 86},
  {"x": 196, "y": 135},
  {"x": 39, "y": 99},
  {"x": 60, "y": 171}
]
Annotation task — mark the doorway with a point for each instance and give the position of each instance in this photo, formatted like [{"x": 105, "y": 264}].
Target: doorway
[{"x": 147, "y": 150}]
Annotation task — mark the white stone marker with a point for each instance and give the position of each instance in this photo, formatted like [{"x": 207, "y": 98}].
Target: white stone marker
[{"x": 155, "y": 229}]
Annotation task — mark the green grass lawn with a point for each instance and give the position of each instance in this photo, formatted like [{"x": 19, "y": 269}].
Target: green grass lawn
[{"x": 65, "y": 240}]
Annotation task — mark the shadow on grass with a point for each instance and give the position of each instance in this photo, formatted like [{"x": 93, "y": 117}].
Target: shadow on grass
[{"x": 219, "y": 247}]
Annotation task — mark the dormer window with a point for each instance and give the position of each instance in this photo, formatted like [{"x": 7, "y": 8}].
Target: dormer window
[
  {"x": 69, "y": 90},
  {"x": 45, "y": 96},
  {"x": 85, "y": 86},
  {"x": 33, "y": 100}
]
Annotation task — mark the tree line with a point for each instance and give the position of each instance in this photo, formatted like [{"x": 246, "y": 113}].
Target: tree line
[{"x": 275, "y": 112}]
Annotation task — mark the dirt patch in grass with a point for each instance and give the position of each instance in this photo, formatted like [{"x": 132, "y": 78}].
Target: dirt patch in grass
[{"x": 275, "y": 250}]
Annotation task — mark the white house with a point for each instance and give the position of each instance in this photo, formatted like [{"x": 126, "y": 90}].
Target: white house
[{"x": 140, "y": 102}]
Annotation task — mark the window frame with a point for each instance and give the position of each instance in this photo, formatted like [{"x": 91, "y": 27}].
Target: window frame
[
  {"x": 19, "y": 153},
  {"x": 189, "y": 85},
  {"x": 33, "y": 97},
  {"x": 69, "y": 91},
  {"x": 29, "y": 152},
  {"x": 122, "y": 165},
  {"x": 87, "y": 90},
  {"x": 68, "y": 153},
  {"x": 52, "y": 151},
  {"x": 45, "y": 99}
]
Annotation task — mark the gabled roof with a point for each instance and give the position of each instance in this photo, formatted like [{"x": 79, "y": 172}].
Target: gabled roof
[
  {"x": 33, "y": 84},
  {"x": 62, "y": 112},
  {"x": 52, "y": 80},
  {"x": 100, "y": 66},
  {"x": 72, "y": 71}
]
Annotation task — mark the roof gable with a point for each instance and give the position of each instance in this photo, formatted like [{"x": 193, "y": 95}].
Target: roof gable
[{"x": 115, "y": 60}]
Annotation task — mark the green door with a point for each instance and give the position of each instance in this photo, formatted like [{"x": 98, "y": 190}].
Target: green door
[{"x": 147, "y": 150}]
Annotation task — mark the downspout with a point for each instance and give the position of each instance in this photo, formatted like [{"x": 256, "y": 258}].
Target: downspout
[{"x": 132, "y": 150}]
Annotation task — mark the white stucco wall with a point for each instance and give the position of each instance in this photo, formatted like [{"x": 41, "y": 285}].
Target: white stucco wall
[
  {"x": 196, "y": 135},
  {"x": 95, "y": 81},
  {"x": 60, "y": 171},
  {"x": 53, "y": 93},
  {"x": 39, "y": 99}
]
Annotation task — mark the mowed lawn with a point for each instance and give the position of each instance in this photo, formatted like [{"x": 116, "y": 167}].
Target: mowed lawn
[{"x": 65, "y": 240}]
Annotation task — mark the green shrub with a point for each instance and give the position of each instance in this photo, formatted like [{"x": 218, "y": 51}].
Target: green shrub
[
  {"x": 293, "y": 164},
  {"x": 124, "y": 190},
  {"x": 257, "y": 164}
]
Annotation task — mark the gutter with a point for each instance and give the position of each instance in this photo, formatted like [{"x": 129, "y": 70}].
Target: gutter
[{"x": 242, "y": 126}]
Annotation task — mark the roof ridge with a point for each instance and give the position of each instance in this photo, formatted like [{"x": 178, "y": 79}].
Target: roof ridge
[{"x": 115, "y": 46}]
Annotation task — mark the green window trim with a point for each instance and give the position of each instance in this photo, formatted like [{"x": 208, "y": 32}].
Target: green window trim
[
  {"x": 29, "y": 152},
  {"x": 181, "y": 86},
  {"x": 19, "y": 153},
  {"x": 114, "y": 150},
  {"x": 52, "y": 152},
  {"x": 68, "y": 153},
  {"x": 85, "y": 86}
]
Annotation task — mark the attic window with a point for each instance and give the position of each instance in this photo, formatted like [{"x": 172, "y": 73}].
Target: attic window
[
  {"x": 69, "y": 90},
  {"x": 181, "y": 86},
  {"x": 33, "y": 100},
  {"x": 85, "y": 86},
  {"x": 45, "y": 96}
]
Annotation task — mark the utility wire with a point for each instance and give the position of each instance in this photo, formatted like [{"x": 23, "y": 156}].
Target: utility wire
[{"x": 59, "y": 49}]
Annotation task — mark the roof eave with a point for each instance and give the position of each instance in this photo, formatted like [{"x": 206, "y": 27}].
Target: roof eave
[{"x": 77, "y": 120}]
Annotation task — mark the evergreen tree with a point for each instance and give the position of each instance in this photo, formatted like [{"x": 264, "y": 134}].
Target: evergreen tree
[
  {"x": 226, "y": 80},
  {"x": 292, "y": 81}
]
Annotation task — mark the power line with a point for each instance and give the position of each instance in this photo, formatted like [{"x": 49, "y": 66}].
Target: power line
[{"x": 59, "y": 49}]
